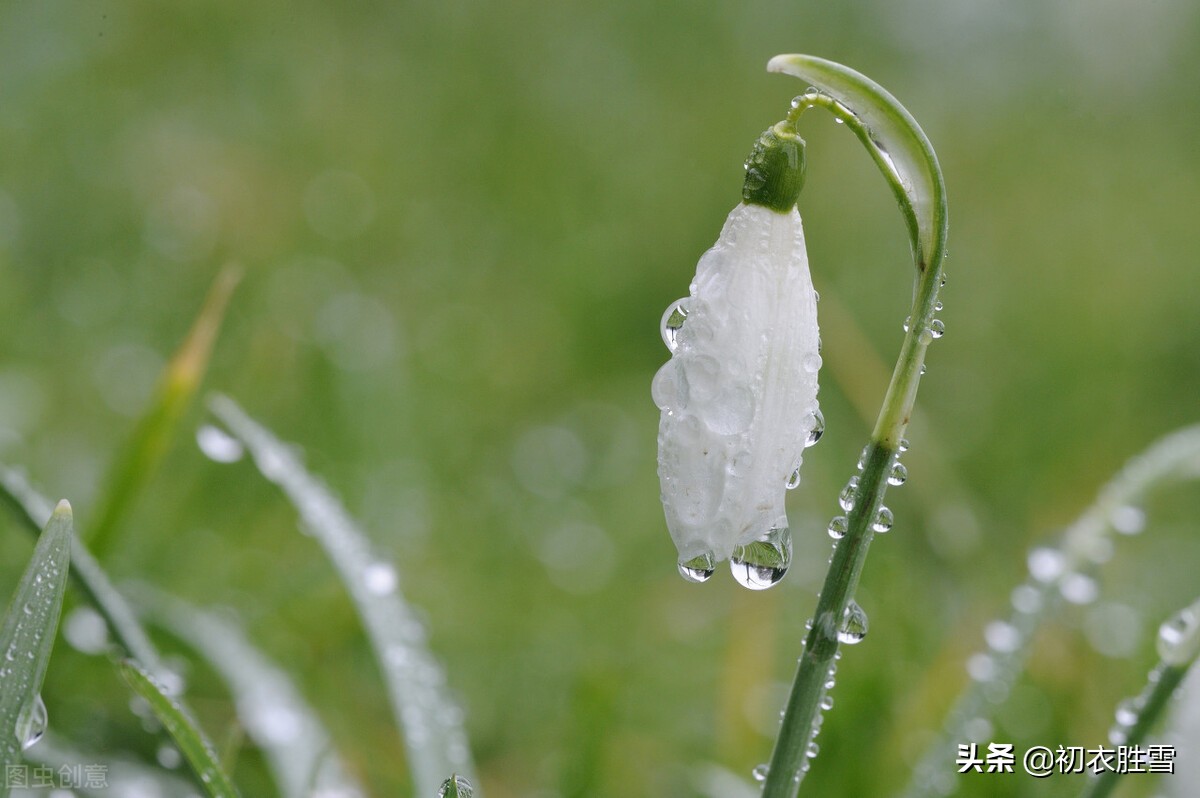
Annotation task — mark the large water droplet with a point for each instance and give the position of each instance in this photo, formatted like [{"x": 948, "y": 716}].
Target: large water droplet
[
  {"x": 817, "y": 430},
  {"x": 793, "y": 481},
  {"x": 672, "y": 321},
  {"x": 764, "y": 562},
  {"x": 1179, "y": 636},
  {"x": 937, "y": 328},
  {"x": 218, "y": 445},
  {"x": 456, "y": 785},
  {"x": 31, "y": 723},
  {"x": 883, "y": 520},
  {"x": 898, "y": 475},
  {"x": 849, "y": 494},
  {"x": 854, "y": 624},
  {"x": 698, "y": 569},
  {"x": 838, "y": 527},
  {"x": 811, "y": 363}
]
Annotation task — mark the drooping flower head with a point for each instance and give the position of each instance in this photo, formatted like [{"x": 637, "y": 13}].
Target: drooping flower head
[{"x": 739, "y": 394}]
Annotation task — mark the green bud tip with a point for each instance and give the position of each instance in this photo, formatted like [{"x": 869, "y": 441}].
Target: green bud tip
[{"x": 775, "y": 169}]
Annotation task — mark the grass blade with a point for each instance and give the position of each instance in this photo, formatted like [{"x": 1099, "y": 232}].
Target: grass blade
[
  {"x": 1086, "y": 541},
  {"x": 1178, "y": 646},
  {"x": 429, "y": 721},
  {"x": 276, "y": 717},
  {"x": 194, "y": 746},
  {"x": 28, "y": 633},
  {"x": 176, "y": 387},
  {"x": 32, "y": 510}
]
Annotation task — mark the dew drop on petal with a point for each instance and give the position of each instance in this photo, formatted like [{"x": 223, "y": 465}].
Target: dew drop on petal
[
  {"x": 672, "y": 321},
  {"x": 818, "y": 429},
  {"x": 761, "y": 564},
  {"x": 698, "y": 569}
]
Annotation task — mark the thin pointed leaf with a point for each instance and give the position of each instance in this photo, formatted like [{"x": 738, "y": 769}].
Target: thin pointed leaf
[
  {"x": 28, "y": 633},
  {"x": 276, "y": 717},
  {"x": 156, "y": 428},
  {"x": 1178, "y": 648},
  {"x": 895, "y": 141},
  {"x": 178, "y": 722},
  {"x": 32, "y": 510},
  {"x": 429, "y": 721}
]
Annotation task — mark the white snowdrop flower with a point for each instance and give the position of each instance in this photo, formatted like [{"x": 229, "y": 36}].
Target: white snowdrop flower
[{"x": 739, "y": 394}]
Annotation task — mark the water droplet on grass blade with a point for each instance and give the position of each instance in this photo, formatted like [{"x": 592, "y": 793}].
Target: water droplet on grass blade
[
  {"x": 898, "y": 475},
  {"x": 698, "y": 569},
  {"x": 1046, "y": 565},
  {"x": 31, "y": 723},
  {"x": 854, "y": 624},
  {"x": 1001, "y": 636},
  {"x": 1128, "y": 520},
  {"x": 218, "y": 445},
  {"x": 672, "y": 320},
  {"x": 760, "y": 772},
  {"x": 883, "y": 520},
  {"x": 379, "y": 578},
  {"x": 793, "y": 480},
  {"x": 838, "y": 527},
  {"x": 1179, "y": 636},
  {"x": 849, "y": 494},
  {"x": 761, "y": 564},
  {"x": 937, "y": 328},
  {"x": 456, "y": 786}
]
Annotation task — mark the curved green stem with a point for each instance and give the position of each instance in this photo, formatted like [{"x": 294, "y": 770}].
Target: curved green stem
[{"x": 906, "y": 159}]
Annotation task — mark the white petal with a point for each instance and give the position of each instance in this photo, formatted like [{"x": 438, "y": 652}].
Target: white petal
[{"x": 737, "y": 400}]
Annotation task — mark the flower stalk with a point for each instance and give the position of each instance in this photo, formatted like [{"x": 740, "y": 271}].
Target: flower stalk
[{"x": 906, "y": 159}]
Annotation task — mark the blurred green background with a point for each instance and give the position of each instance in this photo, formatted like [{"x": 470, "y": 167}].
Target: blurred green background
[{"x": 460, "y": 223}]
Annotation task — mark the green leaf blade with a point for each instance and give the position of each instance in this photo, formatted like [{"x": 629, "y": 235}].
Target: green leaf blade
[
  {"x": 29, "y": 629},
  {"x": 178, "y": 722},
  {"x": 895, "y": 141},
  {"x": 286, "y": 729},
  {"x": 429, "y": 720}
]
